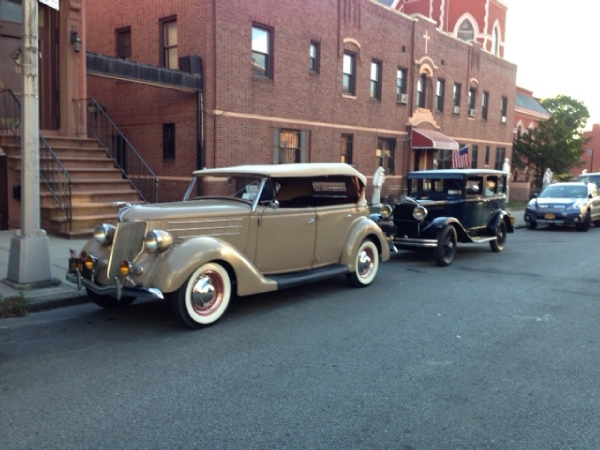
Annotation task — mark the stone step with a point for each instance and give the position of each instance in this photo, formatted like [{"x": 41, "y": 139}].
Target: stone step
[
  {"x": 92, "y": 196},
  {"x": 79, "y": 162},
  {"x": 90, "y": 173}
]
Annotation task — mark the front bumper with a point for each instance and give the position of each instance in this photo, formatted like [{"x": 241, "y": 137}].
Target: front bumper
[
  {"x": 116, "y": 290},
  {"x": 415, "y": 243},
  {"x": 556, "y": 217}
]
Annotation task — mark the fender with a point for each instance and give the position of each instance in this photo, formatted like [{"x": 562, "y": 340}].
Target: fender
[
  {"x": 179, "y": 263},
  {"x": 430, "y": 231},
  {"x": 503, "y": 215},
  {"x": 361, "y": 229}
]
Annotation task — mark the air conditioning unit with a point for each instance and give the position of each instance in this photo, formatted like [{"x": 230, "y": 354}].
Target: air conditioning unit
[
  {"x": 403, "y": 98},
  {"x": 503, "y": 119},
  {"x": 472, "y": 113},
  {"x": 456, "y": 109}
]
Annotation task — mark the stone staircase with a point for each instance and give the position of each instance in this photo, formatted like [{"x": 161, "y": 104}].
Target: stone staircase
[{"x": 96, "y": 185}]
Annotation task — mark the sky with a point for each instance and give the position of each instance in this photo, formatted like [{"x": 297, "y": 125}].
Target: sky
[{"x": 555, "y": 45}]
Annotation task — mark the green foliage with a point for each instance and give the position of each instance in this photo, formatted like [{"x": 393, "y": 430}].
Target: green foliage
[
  {"x": 13, "y": 306},
  {"x": 556, "y": 143}
]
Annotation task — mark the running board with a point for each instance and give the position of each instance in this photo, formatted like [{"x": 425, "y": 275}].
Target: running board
[
  {"x": 308, "y": 276},
  {"x": 483, "y": 239}
]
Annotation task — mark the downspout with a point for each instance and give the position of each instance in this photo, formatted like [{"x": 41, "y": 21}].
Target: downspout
[
  {"x": 411, "y": 97},
  {"x": 214, "y": 82}
]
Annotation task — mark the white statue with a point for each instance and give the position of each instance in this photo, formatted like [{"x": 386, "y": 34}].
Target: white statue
[
  {"x": 506, "y": 166},
  {"x": 378, "y": 179},
  {"x": 547, "y": 177}
]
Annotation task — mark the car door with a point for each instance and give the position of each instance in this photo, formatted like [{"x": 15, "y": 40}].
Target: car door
[
  {"x": 333, "y": 225},
  {"x": 594, "y": 201},
  {"x": 474, "y": 202},
  {"x": 285, "y": 239}
]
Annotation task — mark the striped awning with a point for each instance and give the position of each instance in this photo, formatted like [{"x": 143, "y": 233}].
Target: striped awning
[{"x": 422, "y": 139}]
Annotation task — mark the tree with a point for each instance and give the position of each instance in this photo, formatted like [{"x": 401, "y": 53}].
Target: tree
[{"x": 555, "y": 143}]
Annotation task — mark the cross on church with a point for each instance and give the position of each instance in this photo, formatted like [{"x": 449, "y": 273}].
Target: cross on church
[{"x": 426, "y": 37}]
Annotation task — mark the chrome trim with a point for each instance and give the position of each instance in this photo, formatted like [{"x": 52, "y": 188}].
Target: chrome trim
[
  {"x": 422, "y": 243},
  {"x": 117, "y": 291}
]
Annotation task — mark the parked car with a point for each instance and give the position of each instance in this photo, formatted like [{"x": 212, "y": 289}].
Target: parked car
[
  {"x": 593, "y": 177},
  {"x": 260, "y": 228},
  {"x": 569, "y": 203},
  {"x": 446, "y": 206}
]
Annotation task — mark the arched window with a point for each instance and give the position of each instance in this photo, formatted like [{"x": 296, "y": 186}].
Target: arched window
[
  {"x": 421, "y": 90},
  {"x": 495, "y": 39},
  {"x": 466, "y": 32}
]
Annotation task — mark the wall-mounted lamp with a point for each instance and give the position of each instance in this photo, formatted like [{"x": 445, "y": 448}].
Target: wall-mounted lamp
[{"x": 76, "y": 41}]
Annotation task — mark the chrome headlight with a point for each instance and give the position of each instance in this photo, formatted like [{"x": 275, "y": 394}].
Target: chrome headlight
[
  {"x": 158, "y": 241},
  {"x": 419, "y": 213},
  {"x": 104, "y": 233},
  {"x": 385, "y": 211}
]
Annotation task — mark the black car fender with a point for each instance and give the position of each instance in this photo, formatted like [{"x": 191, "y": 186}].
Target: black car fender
[
  {"x": 497, "y": 217},
  {"x": 430, "y": 231}
]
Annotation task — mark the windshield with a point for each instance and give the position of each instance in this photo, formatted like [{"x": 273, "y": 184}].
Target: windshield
[
  {"x": 564, "y": 191},
  {"x": 235, "y": 187},
  {"x": 435, "y": 188}
]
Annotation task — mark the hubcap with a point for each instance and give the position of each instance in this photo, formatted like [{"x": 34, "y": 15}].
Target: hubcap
[
  {"x": 365, "y": 263},
  {"x": 207, "y": 293}
]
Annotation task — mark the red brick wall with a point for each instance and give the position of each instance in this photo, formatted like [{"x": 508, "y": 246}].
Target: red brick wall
[{"x": 239, "y": 112}]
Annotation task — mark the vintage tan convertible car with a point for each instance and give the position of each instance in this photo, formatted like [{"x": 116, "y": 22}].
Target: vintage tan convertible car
[{"x": 256, "y": 228}]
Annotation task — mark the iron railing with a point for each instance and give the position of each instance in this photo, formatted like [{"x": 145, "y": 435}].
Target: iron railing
[
  {"x": 116, "y": 145},
  {"x": 52, "y": 172}
]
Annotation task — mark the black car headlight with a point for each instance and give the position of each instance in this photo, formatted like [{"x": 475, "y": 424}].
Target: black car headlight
[
  {"x": 104, "y": 234},
  {"x": 157, "y": 241},
  {"x": 419, "y": 213}
]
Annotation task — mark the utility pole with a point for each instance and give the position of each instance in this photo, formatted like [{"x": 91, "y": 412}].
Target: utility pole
[{"x": 29, "y": 257}]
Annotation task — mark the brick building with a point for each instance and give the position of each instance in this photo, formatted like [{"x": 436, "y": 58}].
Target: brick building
[
  {"x": 320, "y": 80},
  {"x": 590, "y": 159}
]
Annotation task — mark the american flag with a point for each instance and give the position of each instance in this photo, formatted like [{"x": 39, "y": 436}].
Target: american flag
[{"x": 460, "y": 158}]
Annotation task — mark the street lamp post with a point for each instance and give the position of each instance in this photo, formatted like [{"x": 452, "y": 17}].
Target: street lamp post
[{"x": 29, "y": 257}]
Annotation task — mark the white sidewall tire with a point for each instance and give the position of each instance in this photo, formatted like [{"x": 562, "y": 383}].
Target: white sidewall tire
[
  {"x": 214, "y": 270},
  {"x": 371, "y": 249}
]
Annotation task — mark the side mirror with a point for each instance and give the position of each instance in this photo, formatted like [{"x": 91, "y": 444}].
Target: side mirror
[{"x": 274, "y": 204}]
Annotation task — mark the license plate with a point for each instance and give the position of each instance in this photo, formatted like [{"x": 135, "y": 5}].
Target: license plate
[
  {"x": 549, "y": 216},
  {"x": 75, "y": 263}
]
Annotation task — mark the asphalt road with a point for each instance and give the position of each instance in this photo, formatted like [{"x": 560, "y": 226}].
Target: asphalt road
[{"x": 496, "y": 351}]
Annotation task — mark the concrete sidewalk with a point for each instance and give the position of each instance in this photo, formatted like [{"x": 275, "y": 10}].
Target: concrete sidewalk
[
  {"x": 59, "y": 292},
  {"x": 53, "y": 293}
]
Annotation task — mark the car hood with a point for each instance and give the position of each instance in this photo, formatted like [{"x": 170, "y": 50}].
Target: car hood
[
  {"x": 550, "y": 202},
  {"x": 181, "y": 210}
]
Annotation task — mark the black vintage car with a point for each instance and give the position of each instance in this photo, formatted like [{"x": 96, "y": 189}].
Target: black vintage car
[{"x": 446, "y": 206}]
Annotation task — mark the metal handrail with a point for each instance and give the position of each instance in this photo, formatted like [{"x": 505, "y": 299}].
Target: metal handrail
[
  {"x": 52, "y": 172},
  {"x": 133, "y": 167}
]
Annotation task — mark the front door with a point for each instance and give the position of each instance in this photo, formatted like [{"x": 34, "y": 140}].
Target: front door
[
  {"x": 286, "y": 239},
  {"x": 48, "y": 68}
]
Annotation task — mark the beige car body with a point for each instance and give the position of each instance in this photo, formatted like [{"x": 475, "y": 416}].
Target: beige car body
[{"x": 312, "y": 229}]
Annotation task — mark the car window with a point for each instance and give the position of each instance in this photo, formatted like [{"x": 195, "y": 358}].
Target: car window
[
  {"x": 491, "y": 185},
  {"x": 474, "y": 186}
]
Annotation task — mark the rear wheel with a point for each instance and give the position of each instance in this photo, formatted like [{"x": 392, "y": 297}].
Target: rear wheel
[
  {"x": 497, "y": 245},
  {"x": 366, "y": 265},
  {"x": 203, "y": 299},
  {"x": 446, "y": 246},
  {"x": 107, "y": 302}
]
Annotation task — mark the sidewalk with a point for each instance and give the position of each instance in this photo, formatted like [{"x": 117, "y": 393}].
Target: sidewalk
[
  {"x": 56, "y": 292},
  {"x": 60, "y": 292}
]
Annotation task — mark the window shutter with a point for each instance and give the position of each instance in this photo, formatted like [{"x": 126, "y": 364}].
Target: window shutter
[
  {"x": 303, "y": 146},
  {"x": 276, "y": 146}
]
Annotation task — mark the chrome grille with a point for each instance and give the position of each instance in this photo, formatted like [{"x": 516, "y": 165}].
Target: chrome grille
[
  {"x": 128, "y": 244},
  {"x": 205, "y": 228}
]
